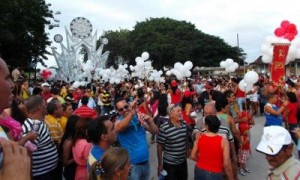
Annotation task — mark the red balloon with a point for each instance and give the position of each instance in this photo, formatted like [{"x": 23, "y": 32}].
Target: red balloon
[
  {"x": 284, "y": 23},
  {"x": 279, "y": 32},
  {"x": 291, "y": 28},
  {"x": 289, "y": 36}
]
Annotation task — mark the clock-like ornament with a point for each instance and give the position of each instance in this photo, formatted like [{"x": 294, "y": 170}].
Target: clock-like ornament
[
  {"x": 58, "y": 38},
  {"x": 81, "y": 27}
]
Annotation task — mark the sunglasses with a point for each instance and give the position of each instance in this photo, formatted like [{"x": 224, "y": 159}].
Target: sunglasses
[{"x": 123, "y": 108}]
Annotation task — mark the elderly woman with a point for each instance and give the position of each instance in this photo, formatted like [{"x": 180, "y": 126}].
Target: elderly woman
[{"x": 211, "y": 152}]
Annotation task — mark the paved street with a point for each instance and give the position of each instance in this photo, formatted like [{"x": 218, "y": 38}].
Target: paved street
[{"x": 257, "y": 163}]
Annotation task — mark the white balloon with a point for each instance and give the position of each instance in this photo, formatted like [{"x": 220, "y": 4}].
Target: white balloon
[
  {"x": 168, "y": 73},
  {"x": 267, "y": 59},
  {"x": 148, "y": 64},
  {"x": 137, "y": 59},
  {"x": 251, "y": 77},
  {"x": 223, "y": 64},
  {"x": 236, "y": 65},
  {"x": 179, "y": 76},
  {"x": 178, "y": 66},
  {"x": 131, "y": 67},
  {"x": 145, "y": 55},
  {"x": 266, "y": 49},
  {"x": 151, "y": 78},
  {"x": 188, "y": 65},
  {"x": 187, "y": 73},
  {"x": 244, "y": 86},
  {"x": 229, "y": 62}
]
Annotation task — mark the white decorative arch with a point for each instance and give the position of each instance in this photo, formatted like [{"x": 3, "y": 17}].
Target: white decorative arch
[{"x": 69, "y": 64}]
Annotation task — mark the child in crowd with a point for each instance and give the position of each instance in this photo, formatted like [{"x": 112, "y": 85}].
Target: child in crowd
[
  {"x": 244, "y": 149},
  {"x": 244, "y": 128}
]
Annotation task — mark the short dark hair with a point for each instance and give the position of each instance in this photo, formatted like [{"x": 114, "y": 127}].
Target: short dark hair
[
  {"x": 228, "y": 93},
  {"x": 292, "y": 97},
  {"x": 96, "y": 128},
  {"x": 37, "y": 91},
  {"x": 52, "y": 106},
  {"x": 213, "y": 123},
  {"x": 221, "y": 103},
  {"x": 54, "y": 91},
  {"x": 118, "y": 100},
  {"x": 33, "y": 103},
  {"x": 84, "y": 100}
]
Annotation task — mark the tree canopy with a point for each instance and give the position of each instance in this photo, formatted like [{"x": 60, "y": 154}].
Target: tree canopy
[
  {"x": 22, "y": 31},
  {"x": 169, "y": 41}
]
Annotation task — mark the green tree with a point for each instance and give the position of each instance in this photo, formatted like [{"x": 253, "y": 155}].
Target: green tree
[
  {"x": 22, "y": 31},
  {"x": 118, "y": 46},
  {"x": 169, "y": 41}
]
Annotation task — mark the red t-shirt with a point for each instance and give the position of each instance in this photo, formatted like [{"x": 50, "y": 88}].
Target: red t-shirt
[
  {"x": 210, "y": 153},
  {"x": 175, "y": 98},
  {"x": 240, "y": 93},
  {"x": 85, "y": 112},
  {"x": 292, "y": 117},
  {"x": 246, "y": 146},
  {"x": 187, "y": 118}
]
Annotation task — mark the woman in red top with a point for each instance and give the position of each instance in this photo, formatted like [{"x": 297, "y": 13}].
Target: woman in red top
[
  {"x": 175, "y": 93},
  {"x": 290, "y": 114},
  {"x": 211, "y": 152}
]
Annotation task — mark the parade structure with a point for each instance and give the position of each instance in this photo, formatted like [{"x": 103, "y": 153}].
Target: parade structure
[{"x": 71, "y": 66}]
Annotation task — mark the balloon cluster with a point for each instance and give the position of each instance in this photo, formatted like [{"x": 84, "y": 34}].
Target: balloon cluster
[
  {"x": 181, "y": 70},
  {"x": 284, "y": 34},
  {"x": 246, "y": 84},
  {"x": 229, "y": 65},
  {"x": 156, "y": 76},
  {"x": 286, "y": 30},
  {"x": 46, "y": 73},
  {"x": 142, "y": 67}
]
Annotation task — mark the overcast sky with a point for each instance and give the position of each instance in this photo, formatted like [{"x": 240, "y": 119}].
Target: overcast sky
[{"x": 252, "y": 20}]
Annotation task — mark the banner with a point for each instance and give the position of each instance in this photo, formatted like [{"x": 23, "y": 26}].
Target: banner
[{"x": 280, "y": 52}]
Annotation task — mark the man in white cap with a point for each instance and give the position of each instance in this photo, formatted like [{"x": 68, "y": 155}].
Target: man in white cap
[{"x": 276, "y": 143}]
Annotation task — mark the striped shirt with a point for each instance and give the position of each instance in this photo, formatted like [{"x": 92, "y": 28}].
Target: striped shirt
[
  {"x": 174, "y": 141},
  {"x": 85, "y": 112},
  {"x": 224, "y": 132},
  {"x": 45, "y": 158}
]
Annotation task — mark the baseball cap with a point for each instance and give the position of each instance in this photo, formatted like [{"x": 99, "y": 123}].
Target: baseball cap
[
  {"x": 273, "y": 138},
  {"x": 173, "y": 83},
  {"x": 46, "y": 85}
]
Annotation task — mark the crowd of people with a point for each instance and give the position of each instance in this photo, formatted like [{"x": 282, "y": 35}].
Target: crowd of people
[{"x": 53, "y": 130}]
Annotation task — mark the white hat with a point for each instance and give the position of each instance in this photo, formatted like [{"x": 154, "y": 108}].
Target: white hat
[
  {"x": 273, "y": 139},
  {"x": 46, "y": 84}
]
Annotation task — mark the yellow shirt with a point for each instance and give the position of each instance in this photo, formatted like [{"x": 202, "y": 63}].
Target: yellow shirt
[
  {"x": 63, "y": 92},
  {"x": 25, "y": 94},
  {"x": 63, "y": 122},
  {"x": 55, "y": 128}
]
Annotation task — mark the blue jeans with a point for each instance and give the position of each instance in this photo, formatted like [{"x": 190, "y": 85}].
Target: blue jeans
[
  {"x": 140, "y": 171},
  {"x": 201, "y": 174},
  {"x": 240, "y": 102}
]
